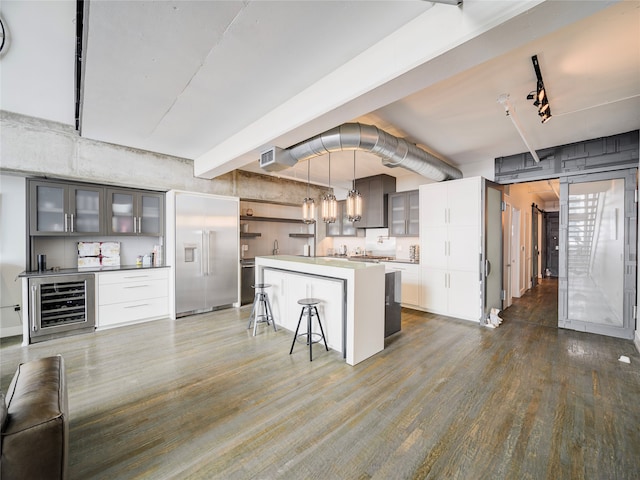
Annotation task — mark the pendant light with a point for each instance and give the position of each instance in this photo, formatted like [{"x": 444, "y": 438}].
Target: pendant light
[
  {"x": 354, "y": 199},
  {"x": 329, "y": 202},
  {"x": 308, "y": 204}
]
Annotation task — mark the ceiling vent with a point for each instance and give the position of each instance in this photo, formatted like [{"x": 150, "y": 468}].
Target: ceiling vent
[{"x": 276, "y": 159}]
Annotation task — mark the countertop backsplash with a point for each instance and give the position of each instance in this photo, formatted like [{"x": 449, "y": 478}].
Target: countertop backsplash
[
  {"x": 377, "y": 242},
  {"x": 63, "y": 252}
]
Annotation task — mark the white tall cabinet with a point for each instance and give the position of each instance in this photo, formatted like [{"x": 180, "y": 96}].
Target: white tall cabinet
[{"x": 451, "y": 247}]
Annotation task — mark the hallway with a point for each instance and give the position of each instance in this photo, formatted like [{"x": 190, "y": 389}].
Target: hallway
[{"x": 538, "y": 305}]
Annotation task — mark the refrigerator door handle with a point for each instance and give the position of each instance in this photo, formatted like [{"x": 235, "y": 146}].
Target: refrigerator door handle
[
  {"x": 210, "y": 254},
  {"x": 203, "y": 255}
]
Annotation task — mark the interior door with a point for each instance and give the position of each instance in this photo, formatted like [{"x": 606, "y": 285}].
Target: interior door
[
  {"x": 492, "y": 248},
  {"x": 552, "y": 246},
  {"x": 597, "y": 263},
  {"x": 534, "y": 246}
]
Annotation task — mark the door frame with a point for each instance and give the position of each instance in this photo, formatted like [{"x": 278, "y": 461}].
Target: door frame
[
  {"x": 630, "y": 223},
  {"x": 507, "y": 253}
]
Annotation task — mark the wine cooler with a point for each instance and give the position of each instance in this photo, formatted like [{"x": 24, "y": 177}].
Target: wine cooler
[{"x": 61, "y": 305}]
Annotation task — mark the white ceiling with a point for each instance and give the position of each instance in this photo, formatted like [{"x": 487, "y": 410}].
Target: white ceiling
[{"x": 218, "y": 82}]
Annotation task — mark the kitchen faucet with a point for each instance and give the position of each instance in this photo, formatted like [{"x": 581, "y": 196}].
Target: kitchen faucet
[{"x": 275, "y": 247}]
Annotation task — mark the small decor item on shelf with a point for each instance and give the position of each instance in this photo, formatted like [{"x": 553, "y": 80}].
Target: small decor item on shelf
[{"x": 414, "y": 253}]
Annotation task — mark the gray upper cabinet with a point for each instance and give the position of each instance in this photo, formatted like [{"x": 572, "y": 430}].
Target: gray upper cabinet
[
  {"x": 64, "y": 209},
  {"x": 342, "y": 227},
  {"x": 134, "y": 212},
  {"x": 374, "y": 191},
  {"x": 404, "y": 214}
]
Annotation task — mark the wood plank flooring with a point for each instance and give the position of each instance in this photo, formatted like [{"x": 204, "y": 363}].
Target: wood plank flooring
[
  {"x": 538, "y": 305},
  {"x": 200, "y": 398}
]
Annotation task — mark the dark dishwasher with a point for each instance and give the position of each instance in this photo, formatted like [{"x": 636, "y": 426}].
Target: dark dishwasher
[
  {"x": 392, "y": 298},
  {"x": 247, "y": 278}
]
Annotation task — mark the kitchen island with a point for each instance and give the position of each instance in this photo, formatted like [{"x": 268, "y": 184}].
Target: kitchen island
[{"x": 352, "y": 294}]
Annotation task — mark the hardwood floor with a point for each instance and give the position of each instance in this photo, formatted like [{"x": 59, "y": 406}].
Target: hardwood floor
[
  {"x": 538, "y": 305},
  {"x": 201, "y": 398}
]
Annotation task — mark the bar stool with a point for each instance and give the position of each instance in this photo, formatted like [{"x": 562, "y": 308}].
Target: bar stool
[
  {"x": 309, "y": 308},
  {"x": 261, "y": 302}
]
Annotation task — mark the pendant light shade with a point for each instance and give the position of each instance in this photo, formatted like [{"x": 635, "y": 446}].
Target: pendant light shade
[
  {"x": 354, "y": 199},
  {"x": 329, "y": 202},
  {"x": 308, "y": 204}
]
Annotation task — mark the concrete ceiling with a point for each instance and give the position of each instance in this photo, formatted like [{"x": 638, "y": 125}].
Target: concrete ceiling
[{"x": 218, "y": 82}]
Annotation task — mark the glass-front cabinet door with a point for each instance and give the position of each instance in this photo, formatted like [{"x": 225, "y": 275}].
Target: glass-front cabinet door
[
  {"x": 64, "y": 209},
  {"x": 413, "y": 214},
  {"x": 397, "y": 214},
  {"x": 135, "y": 212},
  {"x": 150, "y": 214},
  {"x": 404, "y": 214},
  {"x": 121, "y": 218},
  {"x": 86, "y": 209},
  {"x": 48, "y": 213}
]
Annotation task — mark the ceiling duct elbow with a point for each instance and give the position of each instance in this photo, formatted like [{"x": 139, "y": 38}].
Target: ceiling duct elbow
[{"x": 393, "y": 151}]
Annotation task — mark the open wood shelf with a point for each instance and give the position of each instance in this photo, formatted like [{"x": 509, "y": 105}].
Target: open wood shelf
[
  {"x": 270, "y": 219},
  {"x": 302, "y": 235}
]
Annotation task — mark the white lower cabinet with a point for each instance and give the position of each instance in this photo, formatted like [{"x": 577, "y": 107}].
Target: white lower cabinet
[
  {"x": 131, "y": 296},
  {"x": 289, "y": 287},
  {"x": 410, "y": 282},
  {"x": 452, "y": 293}
]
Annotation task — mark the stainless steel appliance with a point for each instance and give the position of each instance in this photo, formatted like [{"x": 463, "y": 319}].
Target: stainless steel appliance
[
  {"x": 247, "y": 278},
  {"x": 61, "y": 305},
  {"x": 207, "y": 253}
]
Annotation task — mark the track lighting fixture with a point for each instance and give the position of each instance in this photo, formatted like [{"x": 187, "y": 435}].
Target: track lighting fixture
[{"x": 539, "y": 96}]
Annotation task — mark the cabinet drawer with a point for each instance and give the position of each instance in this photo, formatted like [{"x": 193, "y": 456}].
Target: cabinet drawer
[
  {"x": 131, "y": 291},
  {"x": 127, "y": 276},
  {"x": 127, "y": 312}
]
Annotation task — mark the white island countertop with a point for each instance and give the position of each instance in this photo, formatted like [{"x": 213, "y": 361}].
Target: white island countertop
[{"x": 362, "y": 304}]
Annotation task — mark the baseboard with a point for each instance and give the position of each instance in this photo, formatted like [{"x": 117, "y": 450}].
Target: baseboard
[{"x": 636, "y": 340}]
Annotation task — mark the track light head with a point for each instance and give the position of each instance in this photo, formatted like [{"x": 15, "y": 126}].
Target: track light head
[{"x": 539, "y": 95}]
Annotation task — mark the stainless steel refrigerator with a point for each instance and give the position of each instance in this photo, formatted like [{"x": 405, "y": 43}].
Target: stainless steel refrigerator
[{"x": 207, "y": 254}]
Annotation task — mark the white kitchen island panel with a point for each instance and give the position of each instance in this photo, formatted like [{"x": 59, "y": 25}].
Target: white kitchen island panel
[
  {"x": 355, "y": 288},
  {"x": 289, "y": 287}
]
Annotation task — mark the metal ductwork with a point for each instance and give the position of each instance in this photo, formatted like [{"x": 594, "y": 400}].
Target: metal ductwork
[{"x": 394, "y": 151}]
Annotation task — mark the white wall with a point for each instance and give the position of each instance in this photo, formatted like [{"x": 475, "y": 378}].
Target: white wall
[
  {"x": 12, "y": 251},
  {"x": 38, "y": 61}
]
